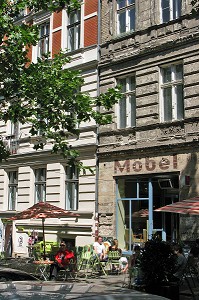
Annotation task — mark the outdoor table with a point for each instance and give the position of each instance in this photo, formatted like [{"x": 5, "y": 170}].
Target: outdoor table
[{"x": 42, "y": 267}]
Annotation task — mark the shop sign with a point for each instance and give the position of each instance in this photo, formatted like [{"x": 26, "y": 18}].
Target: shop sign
[{"x": 146, "y": 165}]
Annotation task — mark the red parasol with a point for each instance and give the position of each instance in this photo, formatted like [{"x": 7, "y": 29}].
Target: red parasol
[{"x": 43, "y": 210}]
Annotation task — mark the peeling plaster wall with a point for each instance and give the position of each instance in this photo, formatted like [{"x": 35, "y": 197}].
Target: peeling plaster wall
[{"x": 142, "y": 53}]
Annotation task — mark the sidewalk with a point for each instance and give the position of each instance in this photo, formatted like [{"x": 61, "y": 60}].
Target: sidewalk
[{"x": 102, "y": 288}]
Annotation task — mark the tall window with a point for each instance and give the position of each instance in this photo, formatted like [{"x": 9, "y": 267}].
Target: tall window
[
  {"x": 171, "y": 9},
  {"x": 73, "y": 30},
  {"x": 72, "y": 186},
  {"x": 12, "y": 189},
  {"x": 43, "y": 45},
  {"x": 40, "y": 185},
  {"x": 127, "y": 105},
  {"x": 125, "y": 16},
  {"x": 172, "y": 93},
  {"x": 13, "y": 137}
]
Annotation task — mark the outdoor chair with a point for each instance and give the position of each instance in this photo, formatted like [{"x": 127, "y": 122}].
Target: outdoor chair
[
  {"x": 189, "y": 277},
  {"x": 114, "y": 261},
  {"x": 70, "y": 272},
  {"x": 85, "y": 263},
  {"x": 99, "y": 266}
]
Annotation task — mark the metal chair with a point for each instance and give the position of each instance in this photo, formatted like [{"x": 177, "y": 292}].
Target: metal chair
[
  {"x": 85, "y": 263},
  {"x": 114, "y": 261}
]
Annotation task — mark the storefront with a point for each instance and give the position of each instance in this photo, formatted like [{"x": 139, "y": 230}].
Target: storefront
[{"x": 136, "y": 188}]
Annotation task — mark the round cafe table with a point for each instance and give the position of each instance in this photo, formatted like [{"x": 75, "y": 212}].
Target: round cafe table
[{"x": 43, "y": 268}]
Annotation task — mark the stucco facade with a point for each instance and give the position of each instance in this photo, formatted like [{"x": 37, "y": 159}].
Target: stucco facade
[
  {"x": 154, "y": 148},
  {"x": 25, "y": 161}
]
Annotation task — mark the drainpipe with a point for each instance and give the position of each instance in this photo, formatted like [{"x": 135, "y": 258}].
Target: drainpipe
[{"x": 97, "y": 125}]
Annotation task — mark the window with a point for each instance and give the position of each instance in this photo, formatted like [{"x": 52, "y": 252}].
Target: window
[
  {"x": 40, "y": 185},
  {"x": 43, "y": 45},
  {"x": 73, "y": 30},
  {"x": 72, "y": 186},
  {"x": 172, "y": 93},
  {"x": 127, "y": 105},
  {"x": 12, "y": 139},
  {"x": 125, "y": 16},
  {"x": 171, "y": 10},
  {"x": 12, "y": 189}
]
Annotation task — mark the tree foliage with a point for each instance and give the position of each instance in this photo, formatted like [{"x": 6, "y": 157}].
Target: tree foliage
[
  {"x": 45, "y": 95},
  {"x": 195, "y": 6}
]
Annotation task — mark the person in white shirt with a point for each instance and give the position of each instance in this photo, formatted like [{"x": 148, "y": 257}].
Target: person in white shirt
[{"x": 99, "y": 248}]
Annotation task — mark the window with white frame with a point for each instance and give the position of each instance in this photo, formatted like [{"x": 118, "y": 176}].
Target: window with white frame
[
  {"x": 172, "y": 104},
  {"x": 73, "y": 30},
  {"x": 40, "y": 185},
  {"x": 12, "y": 189},
  {"x": 44, "y": 37},
  {"x": 127, "y": 104},
  {"x": 12, "y": 139},
  {"x": 125, "y": 16},
  {"x": 170, "y": 9},
  {"x": 72, "y": 187}
]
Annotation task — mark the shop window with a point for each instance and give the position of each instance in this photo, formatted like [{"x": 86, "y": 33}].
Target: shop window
[
  {"x": 72, "y": 187},
  {"x": 44, "y": 37},
  {"x": 172, "y": 94},
  {"x": 40, "y": 185},
  {"x": 125, "y": 16},
  {"x": 170, "y": 10},
  {"x": 132, "y": 212},
  {"x": 73, "y": 30},
  {"x": 12, "y": 189},
  {"x": 127, "y": 105}
]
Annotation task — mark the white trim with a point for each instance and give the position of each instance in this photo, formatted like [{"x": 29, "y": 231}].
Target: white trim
[{"x": 90, "y": 16}]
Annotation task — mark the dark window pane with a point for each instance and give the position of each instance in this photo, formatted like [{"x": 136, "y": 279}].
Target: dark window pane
[
  {"x": 132, "y": 83},
  {"x": 132, "y": 19},
  {"x": 179, "y": 72},
  {"x": 176, "y": 9},
  {"x": 133, "y": 110},
  {"x": 122, "y": 112},
  {"x": 131, "y": 2},
  {"x": 166, "y": 75},
  {"x": 167, "y": 104},
  {"x": 121, "y": 3},
  {"x": 180, "y": 102},
  {"x": 122, "y": 22}
]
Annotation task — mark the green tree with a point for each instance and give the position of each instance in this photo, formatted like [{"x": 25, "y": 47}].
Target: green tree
[
  {"x": 195, "y": 6},
  {"x": 45, "y": 95}
]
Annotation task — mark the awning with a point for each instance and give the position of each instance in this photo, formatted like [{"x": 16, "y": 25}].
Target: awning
[{"x": 189, "y": 206}]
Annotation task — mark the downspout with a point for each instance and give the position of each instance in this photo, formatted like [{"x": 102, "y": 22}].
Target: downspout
[{"x": 97, "y": 125}]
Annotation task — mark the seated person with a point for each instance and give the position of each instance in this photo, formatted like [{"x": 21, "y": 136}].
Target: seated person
[
  {"x": 100, "y": 249},
  {"x": 134, "y": 259},
  {"x": 114, "y": 247},
  {"x": 62, "y": 260},
  {"x": 181, "y": 263}
]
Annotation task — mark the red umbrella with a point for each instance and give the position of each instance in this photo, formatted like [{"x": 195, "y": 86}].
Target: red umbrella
[
  {"x": 141, "y": 213},
  {"x": 43, "y": 210}
]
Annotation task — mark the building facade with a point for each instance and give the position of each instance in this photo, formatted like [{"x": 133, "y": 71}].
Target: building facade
[
  {"x": 31, "y": 176},
  {"x": 148, "y": 156}
]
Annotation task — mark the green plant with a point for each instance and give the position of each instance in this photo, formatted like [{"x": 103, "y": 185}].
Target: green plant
[{"x": 157, "y": 262}]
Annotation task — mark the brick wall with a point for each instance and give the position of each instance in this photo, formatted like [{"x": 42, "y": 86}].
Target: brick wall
[
  {"x": 90, "y": 32},
  {"x": 57, "y": 19},
  {"x": 56, "y": 42},
  {"x": 90, "y": 6}
]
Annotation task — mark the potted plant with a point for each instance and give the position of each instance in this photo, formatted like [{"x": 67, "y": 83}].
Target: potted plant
[{"x": 157, "y": 263}]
